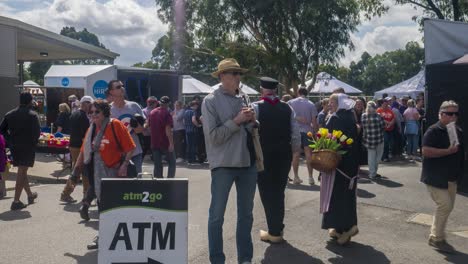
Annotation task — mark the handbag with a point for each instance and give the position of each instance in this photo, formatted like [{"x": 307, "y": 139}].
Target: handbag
[
  {"x": 258, "y": 150},
  {"x": 131, "y": 168}
]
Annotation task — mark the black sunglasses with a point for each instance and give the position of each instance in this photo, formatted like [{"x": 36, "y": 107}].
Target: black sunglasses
[
  {"x": 120, "y": 86},
  {"x": 451, "y": 113},
  {"x": 234, "y": 73},
  {"x": 95, "y": 112}
]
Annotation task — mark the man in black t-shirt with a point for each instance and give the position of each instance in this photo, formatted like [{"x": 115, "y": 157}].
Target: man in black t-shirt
[
  {"x": 79, "y": 123},
  {"x": 441, "y": 168}
]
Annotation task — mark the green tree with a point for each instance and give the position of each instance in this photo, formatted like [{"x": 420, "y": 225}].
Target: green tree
[
  {"x": 371, "y": 74},
  {"x": 282, "y": 38},
  {"x": 456, "y": 10}
]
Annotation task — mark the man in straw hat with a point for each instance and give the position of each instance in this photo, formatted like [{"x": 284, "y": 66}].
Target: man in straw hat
[
  {"x": 279, "y": 137},
  {"x": 227, "y": 125}
]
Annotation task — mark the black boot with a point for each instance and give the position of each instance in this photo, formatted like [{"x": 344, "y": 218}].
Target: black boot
[{"x": 84, "y": 212}]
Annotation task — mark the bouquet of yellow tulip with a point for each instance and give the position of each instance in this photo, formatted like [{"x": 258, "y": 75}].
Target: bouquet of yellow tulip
[
  {"x": 335, "y": 140},
  {"x": 327, "y": 148}
]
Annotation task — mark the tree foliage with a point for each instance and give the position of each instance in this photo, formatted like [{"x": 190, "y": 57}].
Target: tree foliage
[
  {"x": 371, "y": 74},
  {"x": 282, "y": 38},
  {"x": 456, "y": 10}
]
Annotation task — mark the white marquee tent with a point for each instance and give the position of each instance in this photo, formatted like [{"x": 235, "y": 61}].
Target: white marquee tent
[
  {"x": 411, "y": 87},
  {"x": 191, "y": 85},
  {"x": 246, "y": 89},
  {"x": 326, "y": 84}
]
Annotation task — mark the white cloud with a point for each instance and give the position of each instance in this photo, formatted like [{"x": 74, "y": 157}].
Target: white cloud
[
  {"x": 390, "y": 32},
  {"x": 380, "y": 40},
  {"x": 123, "y": 26}
]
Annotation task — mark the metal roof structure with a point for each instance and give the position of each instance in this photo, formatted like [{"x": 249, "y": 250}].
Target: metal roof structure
[{"x": 37, "y": 44}]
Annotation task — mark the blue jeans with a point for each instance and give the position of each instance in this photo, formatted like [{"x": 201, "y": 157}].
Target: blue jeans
[
  {"x": 138, "y": 161},
  {"x": 158, "y": 167},
  {"x": 413, "y": 142},
  {"x": 388, "y": 142},
  {"x": 191, "y": 146},
  {"x": 374, "y": 155},
  {"x": 221, "y": 183}
]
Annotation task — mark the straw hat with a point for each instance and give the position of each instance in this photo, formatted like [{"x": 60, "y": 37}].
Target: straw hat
[{"x": 228, "y": 65}]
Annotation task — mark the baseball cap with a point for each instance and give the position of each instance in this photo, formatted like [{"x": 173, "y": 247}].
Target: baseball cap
[{"x": 86, "y": 98}]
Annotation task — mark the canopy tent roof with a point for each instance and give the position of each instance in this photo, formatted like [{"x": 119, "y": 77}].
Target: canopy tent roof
[
  {"x": 191, "y": 85},
  {"x": 411, "y": 87},
  {"x": 462, "y": 60},
  {"x": 37, "y": 44},
  {"x": 75, "y": 70},
  {"x": 444, "y": 40},
  {"x": 327, "y": 84},
  {"x": 30, "y": 83},
  {"x": 245, "y": 88}
]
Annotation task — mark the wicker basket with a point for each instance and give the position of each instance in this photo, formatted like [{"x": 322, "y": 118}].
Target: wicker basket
[{"x": 324, "y": 160}]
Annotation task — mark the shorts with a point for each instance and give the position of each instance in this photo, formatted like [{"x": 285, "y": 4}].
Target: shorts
[
  {"x": 23, "y": 156},
  {"x": 305, "y": 140}
]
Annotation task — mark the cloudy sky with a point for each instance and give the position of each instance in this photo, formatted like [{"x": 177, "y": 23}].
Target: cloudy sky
[{"x": 132, "y": 28}]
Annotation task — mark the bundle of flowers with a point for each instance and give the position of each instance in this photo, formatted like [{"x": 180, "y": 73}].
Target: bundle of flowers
[
  {"x": 327, "y": 148},
  {"x": 334, "y": 141}
]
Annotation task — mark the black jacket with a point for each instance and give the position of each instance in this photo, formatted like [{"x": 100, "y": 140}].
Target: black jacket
[{"x": 21, "y": 127}]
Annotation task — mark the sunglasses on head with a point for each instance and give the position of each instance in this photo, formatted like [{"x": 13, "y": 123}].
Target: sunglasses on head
[
  {"x": 97, "y": 112},
  {"x": 451, "y": 113},
  {"x": 120, "y": 86},
  {"x": 234, "y": 73}
]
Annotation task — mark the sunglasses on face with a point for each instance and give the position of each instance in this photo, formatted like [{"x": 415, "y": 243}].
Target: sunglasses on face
[
  {"x": 97, "y": 112},
  {"x": 235, "y": 73},
  {"x": 451, "y": 113}
]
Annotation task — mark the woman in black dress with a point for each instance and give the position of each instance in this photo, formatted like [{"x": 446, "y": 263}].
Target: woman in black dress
[{"x": 341, "y": 218}]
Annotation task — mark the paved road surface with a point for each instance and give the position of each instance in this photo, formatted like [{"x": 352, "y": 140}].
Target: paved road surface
[{"x": 51, "y": 232}]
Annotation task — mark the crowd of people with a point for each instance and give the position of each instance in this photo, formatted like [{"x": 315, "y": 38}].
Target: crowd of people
[{"x": 245, "y": 143}]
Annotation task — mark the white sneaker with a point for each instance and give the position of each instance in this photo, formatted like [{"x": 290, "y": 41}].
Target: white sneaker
[
  {"x": 311, "y": 180},
  {"x": 297, "y": 180},
  {"x": 179, "y": 160}
]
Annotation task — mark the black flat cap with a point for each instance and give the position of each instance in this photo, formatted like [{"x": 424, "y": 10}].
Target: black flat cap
[{"x": 268, "y": 83}]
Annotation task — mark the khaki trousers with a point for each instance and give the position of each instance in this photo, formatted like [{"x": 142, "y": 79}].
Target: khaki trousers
[
  {"x": 445, "y": 200},
  {"x": 69, "y": 187}
]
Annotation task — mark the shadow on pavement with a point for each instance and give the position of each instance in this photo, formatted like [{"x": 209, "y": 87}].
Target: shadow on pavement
[
  {"x": 286, "y": 253},
  {"x": 399, "y": 163},
  {"x": 355, "y": 252},
  {"x": 458, "y": 257},
  {"x": 92, "y": 224},
  {"x": 88, "y": 258},
  {"x": 388, "y": 183},
  {"x": 303, "y": 187},
  {"x": 364, "y": 194},
  {"x": 14, "y": 215},
  {"x": 194, "y": 166},
  {"x": 71, "y": 207}
]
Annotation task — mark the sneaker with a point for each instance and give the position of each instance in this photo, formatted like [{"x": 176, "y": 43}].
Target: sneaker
[
  {"x": 297, "y": 181},
  {"x": 84, "y": 212},
  {"x": 67, "y": 198},
  {"x": 94, "y": 244},
  {"x": 32, "y": 198},
  {"x": 179, "y": 160},
  {"x": 311, "y": 180},
  {"x": 17, "y": 206},
  {"x": 441, "y": 245}
]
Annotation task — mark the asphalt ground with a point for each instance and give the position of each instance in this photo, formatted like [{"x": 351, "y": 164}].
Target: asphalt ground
[{"x": 52, "y": 232}]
